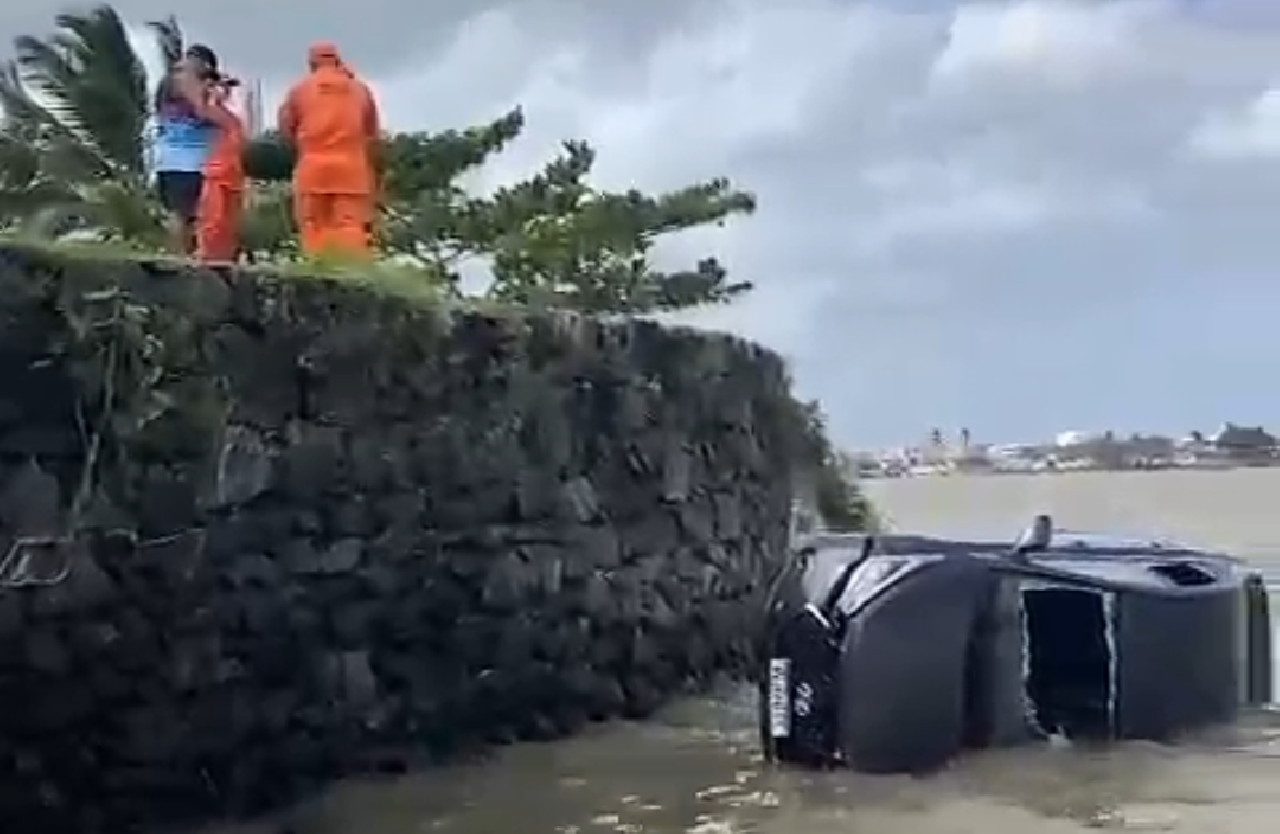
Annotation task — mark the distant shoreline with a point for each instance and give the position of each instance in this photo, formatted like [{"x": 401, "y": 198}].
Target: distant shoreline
[
  {"x": 1231, "y": 509},
  {"x": 985, "y": 472}
]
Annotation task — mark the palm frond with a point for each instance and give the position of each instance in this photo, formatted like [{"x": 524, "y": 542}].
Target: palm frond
[
  {"x": 23, "y": 205},
  {"x": 93, "y": 83},
  {"x": 169, "y": 39},
  {"x": 72, "y": 141},
  {"x": 30, "y": 121},
  {"x": 125, "y": 211}
]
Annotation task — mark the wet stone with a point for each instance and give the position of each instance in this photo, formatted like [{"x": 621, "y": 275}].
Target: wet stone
[
  {"x": 30, "y": 504},
  {"x": 677, "y": 466},
  {"x": 312, "y": 465},
  {"x": 178, "y": 557},
  {"x": 253, "y": 569},
  {"x": 580, "y": 499},
  {"x": 728, "y": 516},
  {"x": 697, "y": 521},
  {"x": 351, "y": 519},
  {"x": 598, "y": 545},
  {"x": 399, "y": 510},
  {"x": 508, "y": 582},
  {"x": 370, "y": 466},
  {"x": 84, "y": 586},
  {"x": 302, "y": 556},
  {"x": 549, "y": 564},
  {"x": 47, "y": 654},
  {"x": 168, "y": 502},
  {"x": 12, "y": 614},
  {"x": 40, "y": 442},
  {"x": 353, "y": 624},
  {"x": 245, "y": 465},
  {"x": 342, "y": 556},
  {"x": 348, "y": 676}
]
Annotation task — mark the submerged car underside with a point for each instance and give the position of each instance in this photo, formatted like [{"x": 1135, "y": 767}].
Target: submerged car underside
[{"x": 895, "y": 653}]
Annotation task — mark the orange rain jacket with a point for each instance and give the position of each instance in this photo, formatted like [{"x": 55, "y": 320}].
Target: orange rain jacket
[
  {"x": 221, "y": 205},
  {"x": 332, "y": 119}
]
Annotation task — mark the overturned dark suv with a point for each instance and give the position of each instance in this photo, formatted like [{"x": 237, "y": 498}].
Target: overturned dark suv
[{"x": 895, "y": 653}]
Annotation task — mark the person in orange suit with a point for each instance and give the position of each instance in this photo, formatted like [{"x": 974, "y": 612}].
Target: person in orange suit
[
  {"x": 221, "y": 205},
  {"x": 332, "y": 120}
]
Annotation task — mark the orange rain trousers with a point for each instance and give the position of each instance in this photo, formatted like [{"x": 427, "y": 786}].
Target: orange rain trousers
[
  {"x": 218, "y": 220},
  {"x": 221, "y": 203},
  {"x": 334, "y": 223}
]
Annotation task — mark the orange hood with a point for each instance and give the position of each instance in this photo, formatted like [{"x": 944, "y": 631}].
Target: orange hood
[{"x": 324, "y": 55}]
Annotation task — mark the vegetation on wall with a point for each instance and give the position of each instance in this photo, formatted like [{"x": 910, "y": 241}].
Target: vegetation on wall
[{"x": 833, "y": 490}]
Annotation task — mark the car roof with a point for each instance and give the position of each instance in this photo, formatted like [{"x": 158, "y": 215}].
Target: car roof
[{"x": 1063, "y": 542}]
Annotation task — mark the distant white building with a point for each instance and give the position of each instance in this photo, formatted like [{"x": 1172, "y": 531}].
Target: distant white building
[{"x": 1077, "y": 438}]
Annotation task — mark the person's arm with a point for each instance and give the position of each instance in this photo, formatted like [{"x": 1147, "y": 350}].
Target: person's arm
[
  {"x": 372, "y": 118},
  {"x": 213, "y": 109},
  {"x": 287, "y": 117},
  {"x": 373, "y": 132},
  {"x": 187, "y": 85}
]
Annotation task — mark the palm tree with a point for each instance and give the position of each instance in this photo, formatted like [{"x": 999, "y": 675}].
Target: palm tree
[
  {"x": 77, "y": 101},
  {"x": 73, "y": 140}
]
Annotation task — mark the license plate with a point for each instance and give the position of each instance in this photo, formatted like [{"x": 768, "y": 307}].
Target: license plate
[{"x": 779, "y": 697}]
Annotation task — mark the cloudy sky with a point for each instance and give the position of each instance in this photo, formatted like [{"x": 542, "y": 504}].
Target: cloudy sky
[{"x": 1016, "y": 217}]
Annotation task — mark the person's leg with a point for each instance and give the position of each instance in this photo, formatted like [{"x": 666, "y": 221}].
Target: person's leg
[
  {"x": 209, "y": 221},
  {"x": 187, "y": 186},
  {"x": 174, "y": 226},
  {"x": 179, "y": 193},
  {"x": 353, "y": 224},
  {"x": 234, "y": 218},
  {"x": 311, "y": 213},
  {"x": 218, "y": 227}
]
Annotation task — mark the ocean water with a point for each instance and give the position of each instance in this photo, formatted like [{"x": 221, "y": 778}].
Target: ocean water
[{"x": 697, "y": 768}]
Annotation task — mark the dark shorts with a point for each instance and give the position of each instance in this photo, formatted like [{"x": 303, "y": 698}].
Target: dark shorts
[{"x": 179, "y": 192}]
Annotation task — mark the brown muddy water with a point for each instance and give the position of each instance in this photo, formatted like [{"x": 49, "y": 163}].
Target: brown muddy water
[{"x": 697, "y": 769}]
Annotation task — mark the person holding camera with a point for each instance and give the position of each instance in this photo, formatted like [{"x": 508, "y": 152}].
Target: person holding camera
[
  {"x": 223, "y": 183},
  {"x": 183, "y": 140}
]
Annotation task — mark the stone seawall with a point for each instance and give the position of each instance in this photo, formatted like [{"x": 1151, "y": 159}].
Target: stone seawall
[{"x": 258, "y": 532}]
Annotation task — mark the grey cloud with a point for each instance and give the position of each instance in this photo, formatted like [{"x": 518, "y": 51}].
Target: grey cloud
[
  {"x": 271, "y": 38},
  {"x": 379, "y": 38},
  {"x": 1139, "y": 267}
]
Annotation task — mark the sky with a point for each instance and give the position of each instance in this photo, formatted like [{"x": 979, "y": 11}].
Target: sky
[{"x": 1014, "y": 217}]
